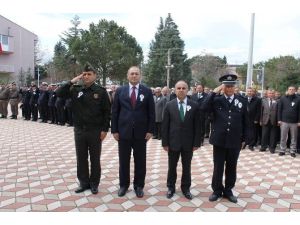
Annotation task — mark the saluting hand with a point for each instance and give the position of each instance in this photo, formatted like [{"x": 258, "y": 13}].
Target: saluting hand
[
  {"x": 76, "y": 79},
  {"x": 218, "y": 89}
]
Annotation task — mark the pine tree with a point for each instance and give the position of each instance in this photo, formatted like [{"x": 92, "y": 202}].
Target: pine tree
[{"x": 167, "y": 38}]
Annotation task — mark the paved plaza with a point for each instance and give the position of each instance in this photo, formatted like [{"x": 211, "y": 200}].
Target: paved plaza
[{"x": 38, "y": 173}]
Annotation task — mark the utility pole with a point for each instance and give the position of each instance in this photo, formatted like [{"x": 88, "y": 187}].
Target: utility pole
[
  {"x": 38, "y": 75},
  {"x": 168, "y": 67},
  {"x": 250, "y": 56}
]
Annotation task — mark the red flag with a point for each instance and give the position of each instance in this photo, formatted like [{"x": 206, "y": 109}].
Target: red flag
[{"x": 1, "y": 51}]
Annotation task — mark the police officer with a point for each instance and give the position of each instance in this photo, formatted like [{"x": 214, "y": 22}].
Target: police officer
[
  {"x": 230, "y": 121},
  {"x": 91, "y": 111}
]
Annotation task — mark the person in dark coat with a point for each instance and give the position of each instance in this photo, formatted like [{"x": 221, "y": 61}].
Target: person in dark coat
[
  {"x": 229, "y": 127},
  {"x": 91, "y": 110},
  {"x": 133, "y": 118},
  {"x": 33, "y": 102},
  {"x": 199, "y": 97},
  {"x": 180, "y": 137},
  {"x": 289, "y": 120},
  {"x": 43, "y": 102},
  {"x": 254, "y": 108}
]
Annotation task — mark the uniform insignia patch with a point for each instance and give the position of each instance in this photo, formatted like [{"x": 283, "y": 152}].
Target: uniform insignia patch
[
  {"x": 240, "y": 105},
  {"x": 80, "y": 94},
  {"x": 293, "y": 103},
  {"x": 96, "y": 96}
]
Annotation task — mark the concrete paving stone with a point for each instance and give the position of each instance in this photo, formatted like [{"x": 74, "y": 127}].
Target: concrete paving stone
[{"x": 174, "y": 206}]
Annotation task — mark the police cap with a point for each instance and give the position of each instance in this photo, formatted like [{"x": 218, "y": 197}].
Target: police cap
[{"x": 229, "y": 77}]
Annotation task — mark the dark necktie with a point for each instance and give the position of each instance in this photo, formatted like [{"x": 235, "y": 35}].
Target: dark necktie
[
  {"x": 229, "y": 99},
  {"x": 181, "y": 111},
  {"x": 133, "y": 96}
]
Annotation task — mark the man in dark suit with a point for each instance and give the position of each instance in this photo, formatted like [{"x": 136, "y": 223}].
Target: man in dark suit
[
  {"x": 268, "y": 121},
  {"x": 133, "y": 117},
  {"x": 230, "y": 122},
  {"x": 180, "y": 137},
  {"x": 199, "y": 97},
  {"x": 254, "y": 107}
]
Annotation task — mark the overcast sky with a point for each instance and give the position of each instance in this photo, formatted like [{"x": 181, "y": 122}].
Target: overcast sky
[{"x": 207, "y": 27}]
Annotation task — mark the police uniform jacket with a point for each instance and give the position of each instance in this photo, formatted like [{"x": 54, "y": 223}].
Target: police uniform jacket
[
  {"x": 230, "y": 120},
  {"x": 91, "y": 106}
]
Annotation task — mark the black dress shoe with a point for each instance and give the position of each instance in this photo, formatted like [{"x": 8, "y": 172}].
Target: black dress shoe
[
  {"x": 81, "y": 189},
  {"x": 122, "y": 191},
  {"x": 94, "y": 190},
  {"x": 188, "y": 195},
  {"x": 293, "y": 155},
  {"x": 214, "y": 197},
  {"x": 281, "y": 153},
  {"x": 251, "y": 148},
  {"x": 139, "y": 192},
  {"x": 170, "y": 193},
  {"x": 231, "y": 198},
  {"x": 272, "y": 151},
  {"x": 262, "y": 150}
]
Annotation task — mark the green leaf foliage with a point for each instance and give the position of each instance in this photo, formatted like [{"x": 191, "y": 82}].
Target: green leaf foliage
[{"x": 167, "y": 38}]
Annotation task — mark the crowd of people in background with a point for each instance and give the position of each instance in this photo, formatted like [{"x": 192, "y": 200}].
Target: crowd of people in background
[{"x": 274, "y": 118}]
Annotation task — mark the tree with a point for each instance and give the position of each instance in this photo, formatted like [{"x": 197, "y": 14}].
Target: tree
[
  {"x": 108, "y": 48},
  {"x": 167, "y": 38},
  {"x": 28, "y": 77},
  {"x": 207, "y": 69}
]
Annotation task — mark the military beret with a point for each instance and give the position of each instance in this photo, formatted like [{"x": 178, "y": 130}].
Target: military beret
[{"x": 88, "y": 67}]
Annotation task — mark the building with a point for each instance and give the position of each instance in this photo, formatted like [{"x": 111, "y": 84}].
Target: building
[{"x": 17, "y": 57}]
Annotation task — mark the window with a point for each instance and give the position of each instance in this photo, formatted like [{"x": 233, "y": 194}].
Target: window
[{"x": 4, "y": 42}]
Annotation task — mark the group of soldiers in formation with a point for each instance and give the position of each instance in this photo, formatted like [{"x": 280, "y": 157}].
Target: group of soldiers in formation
[
  {"x": 180, "y": 117},
  {"x": 266, "y": 112}
]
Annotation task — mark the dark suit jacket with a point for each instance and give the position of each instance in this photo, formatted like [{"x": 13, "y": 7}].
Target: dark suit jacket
[
  {"x": 132, "y": 122},
  {"x": 268, "y": 112},
  {"x": 254, "y": 108},
  {"x": 230, "y": 121},
  {"x": 177, "y": 134}
]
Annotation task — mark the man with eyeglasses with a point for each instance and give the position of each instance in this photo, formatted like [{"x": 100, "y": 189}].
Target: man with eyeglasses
[
  {"x": 229, "y": 126},
  {"x": 133, "y": 117}
]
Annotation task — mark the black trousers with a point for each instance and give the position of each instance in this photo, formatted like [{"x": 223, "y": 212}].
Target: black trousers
[
  {"x": 202, "y": 127},
  {"x": 88, "y": 143},
  {"x": 157, "y": 130},
  {"x": 269, "y": 136},
  {"x": 53, "y": 113},
  {"x": 34, "y": 111},
  {"x": 186, "y": 159},
  {"x": 44, "y": 112},
  {"x": 139, "y": 154},
  {"x": 27, "y": 111},
  {"x": 253, "y": 134},
  {"x": 228, "y": 158},
  {"x": 207, "y": 124},
  {"x": 61, "y": 117}
]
